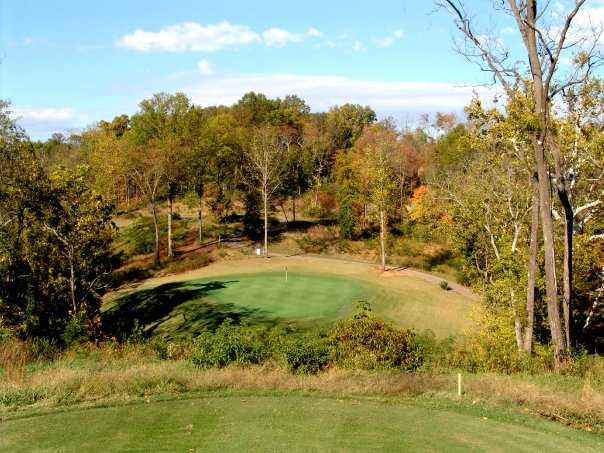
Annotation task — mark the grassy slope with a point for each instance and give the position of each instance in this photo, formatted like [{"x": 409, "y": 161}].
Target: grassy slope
[
  {"x": 406, "y": 300},
  {"x": 269, "y": 422}
]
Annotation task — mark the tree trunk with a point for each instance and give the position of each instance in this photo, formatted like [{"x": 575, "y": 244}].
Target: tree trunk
[
  {"x": 72, "y": 285},
  {"x": 542, "y": 105},
  {"x": 284, "y": 214},
  {"x": 569, "y": 224},
  {"x": 156, "y": 226},
  {"x": 569, "y": 220},
  {"x": 127, "y": 184},
  {"x": 383, "y": 238},
  {"x": 294, "y": 208},
  {"x": 170, "y": 208},
  {"x": 200, "y": 214},
  {"x": 265, "y": 197},
  {"x": 532, "y": 270},
  {"x": 547, "y": 228},
  {"x": 517, "y": 321}
]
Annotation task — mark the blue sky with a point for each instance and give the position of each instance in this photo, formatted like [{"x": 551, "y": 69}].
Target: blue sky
[{"x": 67, "y": 64}]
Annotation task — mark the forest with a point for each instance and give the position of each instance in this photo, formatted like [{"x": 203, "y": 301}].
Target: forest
[{"x": 466, "y": 183}]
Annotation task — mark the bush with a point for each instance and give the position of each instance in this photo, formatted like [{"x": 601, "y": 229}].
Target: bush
[
  {"x": 229, "y": 344},
  {"x": 307, "y": 356},
  {"x": 444, "y": 285},
  {"x": 76, "y": 330},
  {"x": 490, "y": 346},
  {"x": 366, "y": 342},
  {"x": 318, "y": 239},
  {"x": 346, "y": 219}
]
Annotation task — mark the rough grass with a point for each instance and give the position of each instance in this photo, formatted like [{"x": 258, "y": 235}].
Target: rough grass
[
  {"x": 405, "y": 300},
  {"x": 116, "y": 373}
]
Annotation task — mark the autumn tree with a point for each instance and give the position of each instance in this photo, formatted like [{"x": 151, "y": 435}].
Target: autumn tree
[
  {"x": 266, "y": 164},
  {"x": 546, "y": 38},
  {"x": 55, "y": 243},
  {"x": 161, "y": 124},
  {"x": 377, "y": 145}
]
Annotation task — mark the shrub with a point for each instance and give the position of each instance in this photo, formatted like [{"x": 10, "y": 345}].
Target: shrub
[
  {"x": 229, "y": 344},
  {"x": 307, "y": 356},
  {"x": 346, "y": 219},
  {"x": 444, "y": 285},
  {"x": 366, "y": 342},
  {"x": 76, "y": 330},
  {"x": 490, "y": 346},
  {"x": 318, "y": 239}
]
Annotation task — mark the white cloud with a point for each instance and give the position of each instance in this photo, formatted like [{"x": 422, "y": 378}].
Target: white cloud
[
  {"x": 29, "y": 41},
  {"x": 196, "y": 37},
  {"x": 190, "y": 36},
  {"x": 387, "y": 41},
  {"x": 324, "y": 91},
  {"x": 314, "y": 33},
  {"x": 358, "y": 46},
  {"x": 508, "y": 30},
  {"x": 278, "y": 37},
  {"x": 41, "y": 122},
  {"x": 48, "y": 113},
  {"x": 384, "y": 42},
  {"x": 205, "y": 68}
]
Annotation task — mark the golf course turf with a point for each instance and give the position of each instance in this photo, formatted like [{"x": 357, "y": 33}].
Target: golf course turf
[
  {"x": 253, "y": 422},
  {"x": 257, "y": 291},
  {"x": 188, "y": 308}
]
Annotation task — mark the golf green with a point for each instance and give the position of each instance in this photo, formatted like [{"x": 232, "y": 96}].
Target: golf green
[
  {"x": 292, "y": 423},
  {"x": 187, "y": 308}
]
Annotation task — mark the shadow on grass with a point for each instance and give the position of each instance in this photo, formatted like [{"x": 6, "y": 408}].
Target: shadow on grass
[{"x": 176, "y": 310}]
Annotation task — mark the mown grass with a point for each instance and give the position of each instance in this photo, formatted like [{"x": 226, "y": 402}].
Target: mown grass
[
  {"x": 244, "y": 421},
  {"x": 406, "y": 301},
  {"x": 189, "y": 308}
]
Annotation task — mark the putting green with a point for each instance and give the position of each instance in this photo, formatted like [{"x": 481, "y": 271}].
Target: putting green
[
  {"x": 317, "y": 291},
  {"x": 292, "y": 423},
  {"x": 187, "y": 308}
]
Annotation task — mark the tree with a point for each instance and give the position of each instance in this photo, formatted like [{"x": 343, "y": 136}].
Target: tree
[
  {"x": 161, "y": 123},
  {"x": 55, "y": 242},
  {"x": 346, "y": 122},
  {"x": 198, "y": 160},
  {"x": 148, "y": 173},
  {"x": 80, "y": 222},
  {"x": 490, "y": 206},
  {"x": 266, "y": 156},
  {"x": 544, "y": 47},
  {"x": 378, "y": 144}
]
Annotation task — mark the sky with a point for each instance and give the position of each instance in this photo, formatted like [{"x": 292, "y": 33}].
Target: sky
[{"x": 65, "y": 65}]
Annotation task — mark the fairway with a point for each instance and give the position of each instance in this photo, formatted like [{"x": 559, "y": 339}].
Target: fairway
[
  {"x": 256, "y": 291},
  {"x": 292, "y": 423}
]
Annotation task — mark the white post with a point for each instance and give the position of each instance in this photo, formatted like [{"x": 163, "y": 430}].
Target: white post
[
  {"x": 285, "y": 273},
  {"x": 458, "y": 384}
]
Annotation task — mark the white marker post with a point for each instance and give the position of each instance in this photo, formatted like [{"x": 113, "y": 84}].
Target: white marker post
[
  {"x": 459, "y": 384},
  {"x": 285, "y": 273}
]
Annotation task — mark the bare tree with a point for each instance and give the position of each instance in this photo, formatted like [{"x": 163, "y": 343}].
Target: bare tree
[
  {"x": 266, "y": 156},
  {"x": 148, "y": 174},
  {"x": 544, "y": 45}
]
